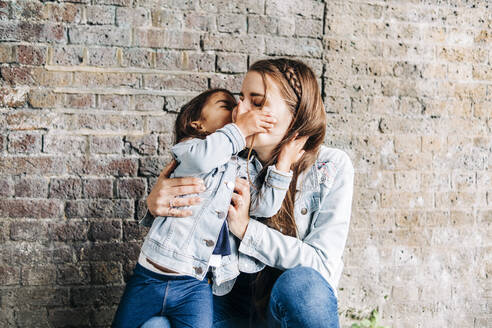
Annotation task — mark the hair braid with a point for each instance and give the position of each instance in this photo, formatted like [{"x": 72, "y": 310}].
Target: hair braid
[{"x": 291, "y": 76}]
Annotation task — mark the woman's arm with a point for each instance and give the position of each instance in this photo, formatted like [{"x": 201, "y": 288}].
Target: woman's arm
[
  {"x": 321, "y": 249},
  {"x": 165, "y": 190}
]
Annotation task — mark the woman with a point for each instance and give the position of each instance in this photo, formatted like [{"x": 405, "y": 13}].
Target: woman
[{"x": 300, "y": 247}]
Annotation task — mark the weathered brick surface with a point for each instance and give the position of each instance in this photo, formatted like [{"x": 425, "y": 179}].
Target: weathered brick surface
[{"x": 89, "y": 92}]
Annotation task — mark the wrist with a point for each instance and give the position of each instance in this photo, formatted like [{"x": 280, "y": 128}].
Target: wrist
[
  {"x": 243, "y": 129},
  {"x": 244, "y": 231},
  {"x": 283, "y": 166}
]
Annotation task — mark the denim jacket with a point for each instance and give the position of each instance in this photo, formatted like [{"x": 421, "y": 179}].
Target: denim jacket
[
  {"x": 186, "y": 244},
  {"x": 322, "y": 211}
]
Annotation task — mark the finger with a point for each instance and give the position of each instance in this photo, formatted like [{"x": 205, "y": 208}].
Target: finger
[
  {"x": 231, "y": 213},
  {"x": 241, "y": 189},
  {"x": 268, "y": 119},
  {"x": 186, "y": 201},
  {"x": 236, "y": 200},
  {"x": 300, "y": 155},
  {"x": 234, "y": 114},
  {"x": 168, "y": 169},
  {"x": 266, "y": 125},
  {"x": 242, "y": 180},
  {"x": 301, "y": 142},
  {"x": 179, "y": 213},
  {"x": 186, "y": 181},
  {"x": 166, "y": 211},
  {"x": 182, "y": 190}
]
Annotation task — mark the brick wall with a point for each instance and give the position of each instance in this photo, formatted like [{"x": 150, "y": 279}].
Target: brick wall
[{"x": 89, "y": 93}]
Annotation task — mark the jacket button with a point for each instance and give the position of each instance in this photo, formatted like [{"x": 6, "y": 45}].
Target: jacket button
[
  {"x": 303, "y": 211},
  {"x": 220, "y": 214},
  {"x": 198, "y": 270},
  {"x": 209, "y": 242}
]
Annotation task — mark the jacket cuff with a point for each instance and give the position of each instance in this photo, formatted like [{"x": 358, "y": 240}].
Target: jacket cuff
[
  {"x": 235, "y": 135},
  {"x": 254, "y": 232},
  {"x": 278, "y": 179}
]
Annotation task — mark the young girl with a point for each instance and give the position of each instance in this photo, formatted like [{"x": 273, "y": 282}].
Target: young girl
[{"x": 179, "y": 254}]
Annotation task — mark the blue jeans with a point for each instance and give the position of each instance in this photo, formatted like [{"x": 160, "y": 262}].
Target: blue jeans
[
  {"x": 180, "y": 301},
  {"x": 300, "y": 297}
]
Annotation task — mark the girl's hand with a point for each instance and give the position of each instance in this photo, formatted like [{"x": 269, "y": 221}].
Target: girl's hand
[
  {"x": 252, "y": 121},
  {"x": 162, "y": 195},
  {"x": 238, "y": 216},
  {"x": 291, "y": 152}
]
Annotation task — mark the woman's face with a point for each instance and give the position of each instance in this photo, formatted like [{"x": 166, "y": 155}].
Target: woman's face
[{"x": 252, "y": 94}]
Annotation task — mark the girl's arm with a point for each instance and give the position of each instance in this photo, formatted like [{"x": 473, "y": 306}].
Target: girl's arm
[
  {"x": 323, "y": 246},
  {"x": 203, "y": 155},
  {"x": 267, "y": 201}
]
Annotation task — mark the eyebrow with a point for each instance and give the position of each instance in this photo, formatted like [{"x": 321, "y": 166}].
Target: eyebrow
[
  {"x": 253, "y": 94},
  {"x": 226, "y": 102}
]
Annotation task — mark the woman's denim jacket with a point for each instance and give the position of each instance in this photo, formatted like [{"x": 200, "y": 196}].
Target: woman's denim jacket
[
  {"x": 186, "y": 244},
  {"x": 322, "y": 211}
]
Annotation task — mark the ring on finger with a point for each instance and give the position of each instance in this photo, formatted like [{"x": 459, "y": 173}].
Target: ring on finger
[{"x": 171, "y": 203}]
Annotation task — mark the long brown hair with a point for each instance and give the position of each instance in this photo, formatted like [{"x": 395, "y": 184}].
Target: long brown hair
[
  {"x": 299, "y": 89},
  {"x": 192, "y": 111}
]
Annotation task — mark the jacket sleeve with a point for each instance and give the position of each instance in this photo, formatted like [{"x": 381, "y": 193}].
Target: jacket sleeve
[
  {"x": 323, "y": 246},
  {"x": 267, "y": 201},
  {"x": 203, "y": 155}
]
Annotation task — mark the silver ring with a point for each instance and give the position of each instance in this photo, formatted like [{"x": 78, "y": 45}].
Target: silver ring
[{"x": 171, "y": 206}]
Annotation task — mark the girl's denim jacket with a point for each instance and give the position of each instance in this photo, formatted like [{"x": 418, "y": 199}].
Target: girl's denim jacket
[{"x": 186, "y": 244}]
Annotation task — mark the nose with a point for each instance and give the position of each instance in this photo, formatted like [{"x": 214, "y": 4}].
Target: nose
[{"x": 243, "y": 106}]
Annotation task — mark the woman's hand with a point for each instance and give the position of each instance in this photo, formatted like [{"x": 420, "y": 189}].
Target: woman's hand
[
  {"x": 290, "y": 153},
  {"x": 162, "y": 195},
  {"x": 238, "y": 217}
]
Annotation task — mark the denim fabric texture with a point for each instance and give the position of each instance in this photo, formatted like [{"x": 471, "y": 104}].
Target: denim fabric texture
[
  {"x": 185, "y": 245},
  {"x": 300, "y": 298},
  {"x": 182, "y": 301},
  {"x": 322, "y": 211}
]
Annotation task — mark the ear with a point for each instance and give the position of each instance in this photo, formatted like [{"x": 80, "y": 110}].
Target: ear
[{"x": 197, "y": 125}]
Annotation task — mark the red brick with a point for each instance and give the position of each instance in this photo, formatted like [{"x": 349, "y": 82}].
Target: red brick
[
  {"x": 24, "y": 143},
  {"x": 97, "y": 188},
  {"x": 30, "y": 208},
  {"x": 132, "y": 188},
  {"x": 30, "y": 55}
]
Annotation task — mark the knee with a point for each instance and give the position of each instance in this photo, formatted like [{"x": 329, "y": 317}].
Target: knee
[{"x": 302, "y": 285}]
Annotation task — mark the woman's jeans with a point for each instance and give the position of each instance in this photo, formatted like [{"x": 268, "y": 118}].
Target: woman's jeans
[
  {"x": 182, "y": 301},
  {"x": 300, "y": 297}
]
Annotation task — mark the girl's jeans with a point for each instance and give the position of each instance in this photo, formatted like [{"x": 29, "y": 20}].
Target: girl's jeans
[
  {"x": 301, "y": 297},
  {"x": 183, "y": 301}
]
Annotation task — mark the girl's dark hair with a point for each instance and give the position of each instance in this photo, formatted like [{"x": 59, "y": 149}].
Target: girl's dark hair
[{"x": 192, "y": 111}]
